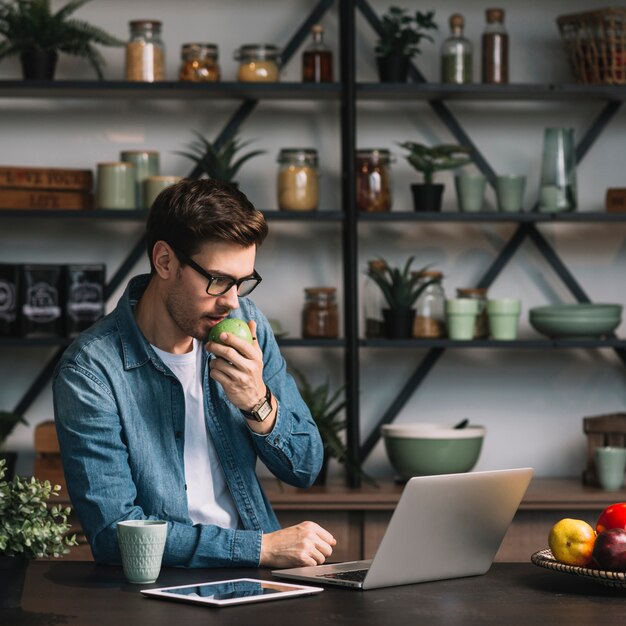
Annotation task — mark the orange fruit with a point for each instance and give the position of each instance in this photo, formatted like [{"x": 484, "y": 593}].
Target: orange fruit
[{"x": 571, "y": 541}]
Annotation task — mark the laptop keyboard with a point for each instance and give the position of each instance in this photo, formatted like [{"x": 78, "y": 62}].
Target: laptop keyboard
[{"x": 356, "y": 575}]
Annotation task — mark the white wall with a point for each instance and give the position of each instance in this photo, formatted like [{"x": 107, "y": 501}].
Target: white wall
[{"x": 531, "y": 402}]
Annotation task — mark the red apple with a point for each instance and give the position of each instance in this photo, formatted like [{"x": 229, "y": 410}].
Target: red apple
[{"x": 614, "y": 516}]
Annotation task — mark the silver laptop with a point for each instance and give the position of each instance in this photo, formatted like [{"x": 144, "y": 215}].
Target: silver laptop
[{"x": 444, "y": 526}]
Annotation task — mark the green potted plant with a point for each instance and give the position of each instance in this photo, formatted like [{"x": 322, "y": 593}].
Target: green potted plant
[
  {"x": 428, "y": 160},
  {"x": 217, "y": 161},
  {"x": 29, "y": 528},
  {"x": 31, "y": 30},
  {"x": 8, "y": 421},
  {"x": 399, "y": 41},
  {"x": 400, "y": 288},
  {"x": 326, "y": 411}
]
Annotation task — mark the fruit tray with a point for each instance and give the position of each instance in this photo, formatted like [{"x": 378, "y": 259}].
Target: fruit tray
[{"x": 544, "y": 559}]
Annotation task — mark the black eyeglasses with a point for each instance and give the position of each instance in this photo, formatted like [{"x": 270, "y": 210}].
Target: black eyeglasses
[{"x": 219, "y": 285}]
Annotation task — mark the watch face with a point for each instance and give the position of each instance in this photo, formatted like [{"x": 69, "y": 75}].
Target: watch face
[{"x": 264, "y": 410}]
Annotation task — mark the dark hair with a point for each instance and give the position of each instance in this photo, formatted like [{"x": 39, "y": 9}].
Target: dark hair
[{"x": 193, "y": 212}]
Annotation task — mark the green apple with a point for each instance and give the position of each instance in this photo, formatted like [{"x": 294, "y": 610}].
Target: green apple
[{"x": 232, "y": 325}]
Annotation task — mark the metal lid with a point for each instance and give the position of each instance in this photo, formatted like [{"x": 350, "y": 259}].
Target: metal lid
[
  {"x": 200, "y": 49},
  {"x": 155, "y": 24},
  {"x": 259, "y": 51},
  {"x": 376, "y": 155},
  {"x": 430, "y": 274},
  {"x": 305, "y": 156}
]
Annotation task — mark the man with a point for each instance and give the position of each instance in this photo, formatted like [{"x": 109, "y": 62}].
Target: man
[{"x": 154, "y": 423}]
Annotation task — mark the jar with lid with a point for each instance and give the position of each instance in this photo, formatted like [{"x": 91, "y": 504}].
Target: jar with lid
[
  {"x": 373, "y": 302},
  {"x": 258, "y": 63},
  {"x": 145, "y": 53},
  {"x": 481, "y": 330},
  {"x": 298, "y": 179},
  {"x": 199, "y": 63},
  {"x": 430, "y": 313},
  {"x": 495, "y": 49},
  {"x": 373, "y": 181},
  {"x": 320, "y": 318},
  {"x": 456, "y": 54}
]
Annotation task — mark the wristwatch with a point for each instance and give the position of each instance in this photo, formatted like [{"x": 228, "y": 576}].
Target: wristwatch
[{"x": 260, "y": 411}]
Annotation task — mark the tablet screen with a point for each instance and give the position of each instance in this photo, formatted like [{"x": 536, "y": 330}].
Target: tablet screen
[{"x": 234, "y": 591}]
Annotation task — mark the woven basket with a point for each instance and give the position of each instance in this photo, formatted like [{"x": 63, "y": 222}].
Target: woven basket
[{"x": 595, "y": 42}]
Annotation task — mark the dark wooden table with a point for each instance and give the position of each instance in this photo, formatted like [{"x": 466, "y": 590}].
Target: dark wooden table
[{"x": 84, "y": 594}]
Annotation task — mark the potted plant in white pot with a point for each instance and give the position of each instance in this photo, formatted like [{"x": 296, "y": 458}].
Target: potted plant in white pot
[
  {"x": 8, "y": 421},
  {"x": 399, "y": 41},
  {"x": 401, "y": 288},
  {"x": 29, "y": 528},
  {"x": 428, "y": 160},
  {"x": 31, "y": 30}
]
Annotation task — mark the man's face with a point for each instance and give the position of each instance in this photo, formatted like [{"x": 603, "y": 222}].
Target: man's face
[{"x": 190, "y": 307}]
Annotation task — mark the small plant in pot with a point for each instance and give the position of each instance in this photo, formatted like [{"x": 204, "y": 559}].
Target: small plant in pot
[
  {"x": 29, "y": 528},
  {"x": 326, "y": 409},
  {"x": 8, "y": 421},
  {"x": 399, "y": 41},
  {"x": 218, "y": 160},
  {"x": 401, "y": 288},
  {"x": 428, "y": 160},
  {"x": 31, "y": 30}
]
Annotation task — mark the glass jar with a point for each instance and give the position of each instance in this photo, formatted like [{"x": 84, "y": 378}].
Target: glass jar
[
  {"x": 373, "y": 302},
  {"x": 320, "y": 318},
  {"x": 373, "y": 184},
  {"x": 317, "y": 59},
  {"x": 145, "y": 53},
  {"x": 298, "y": 179},
  {"x": 430, "y": 312},
  {"x": 456, "y": 54},
  {"x": 199, "y": 63},
  {"x": 481, "y": 330},
  {"x": 495, "y": 49},
  {"x": 558, "y": 191},
  {"x": 258, "y": 63}
]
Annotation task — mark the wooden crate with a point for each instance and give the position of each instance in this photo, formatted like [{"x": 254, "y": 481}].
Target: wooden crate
[{"x": 602, "y": 430}]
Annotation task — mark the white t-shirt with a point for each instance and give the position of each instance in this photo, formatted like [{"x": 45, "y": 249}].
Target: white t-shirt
[{"x": 208, "y": 497}]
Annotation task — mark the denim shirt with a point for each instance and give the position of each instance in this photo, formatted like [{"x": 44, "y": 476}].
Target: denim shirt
[{"x": 120, "y": 419}]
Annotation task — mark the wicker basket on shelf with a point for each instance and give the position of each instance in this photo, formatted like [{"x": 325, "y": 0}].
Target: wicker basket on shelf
[{"x": 595, "y": 42}]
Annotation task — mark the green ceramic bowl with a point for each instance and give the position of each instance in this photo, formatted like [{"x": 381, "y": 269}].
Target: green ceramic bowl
[
  {"x": 579, "y": 326},
  {"x": 582, "y": 309},
  {"x": 425, "y": 449}
]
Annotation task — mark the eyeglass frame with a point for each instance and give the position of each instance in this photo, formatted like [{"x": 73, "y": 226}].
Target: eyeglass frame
[{"x": 212, "y": 277}]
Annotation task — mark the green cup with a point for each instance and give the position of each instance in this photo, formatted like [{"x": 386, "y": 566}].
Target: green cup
[
  {"x": 504, "y": 316},
  {"x": 461, "y": 316},
  {"x": 146, "y": 164},
  {"x": 610, "y": 466},
  {"x": 470, "y": 190},
  {"x": 115, "y": 186},
  {"x": 141, "y": 545},
  {"x": 154, "y": 185},
  {"x": 510, "y": 193}
]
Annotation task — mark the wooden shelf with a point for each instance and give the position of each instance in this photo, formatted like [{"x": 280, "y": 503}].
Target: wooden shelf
[{"x": 491, "y": 216}]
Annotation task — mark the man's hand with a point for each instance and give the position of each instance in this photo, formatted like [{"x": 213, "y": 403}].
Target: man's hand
[
  {"x": 240, "y": 371},
  {"x": 304, "y": 544}
]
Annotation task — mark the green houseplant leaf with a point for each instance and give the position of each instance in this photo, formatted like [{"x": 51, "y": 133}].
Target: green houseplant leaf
[
  {"x": 31, "y": 25},
  {"x": 29, "y": 525},
  {"x": 325, "y": 409},
  {"x": 429, "y": 160},
  {"x": 400, "y": 287},
  {"x": 217, "y": 161},
  {"x": 402, "y": 33}
]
